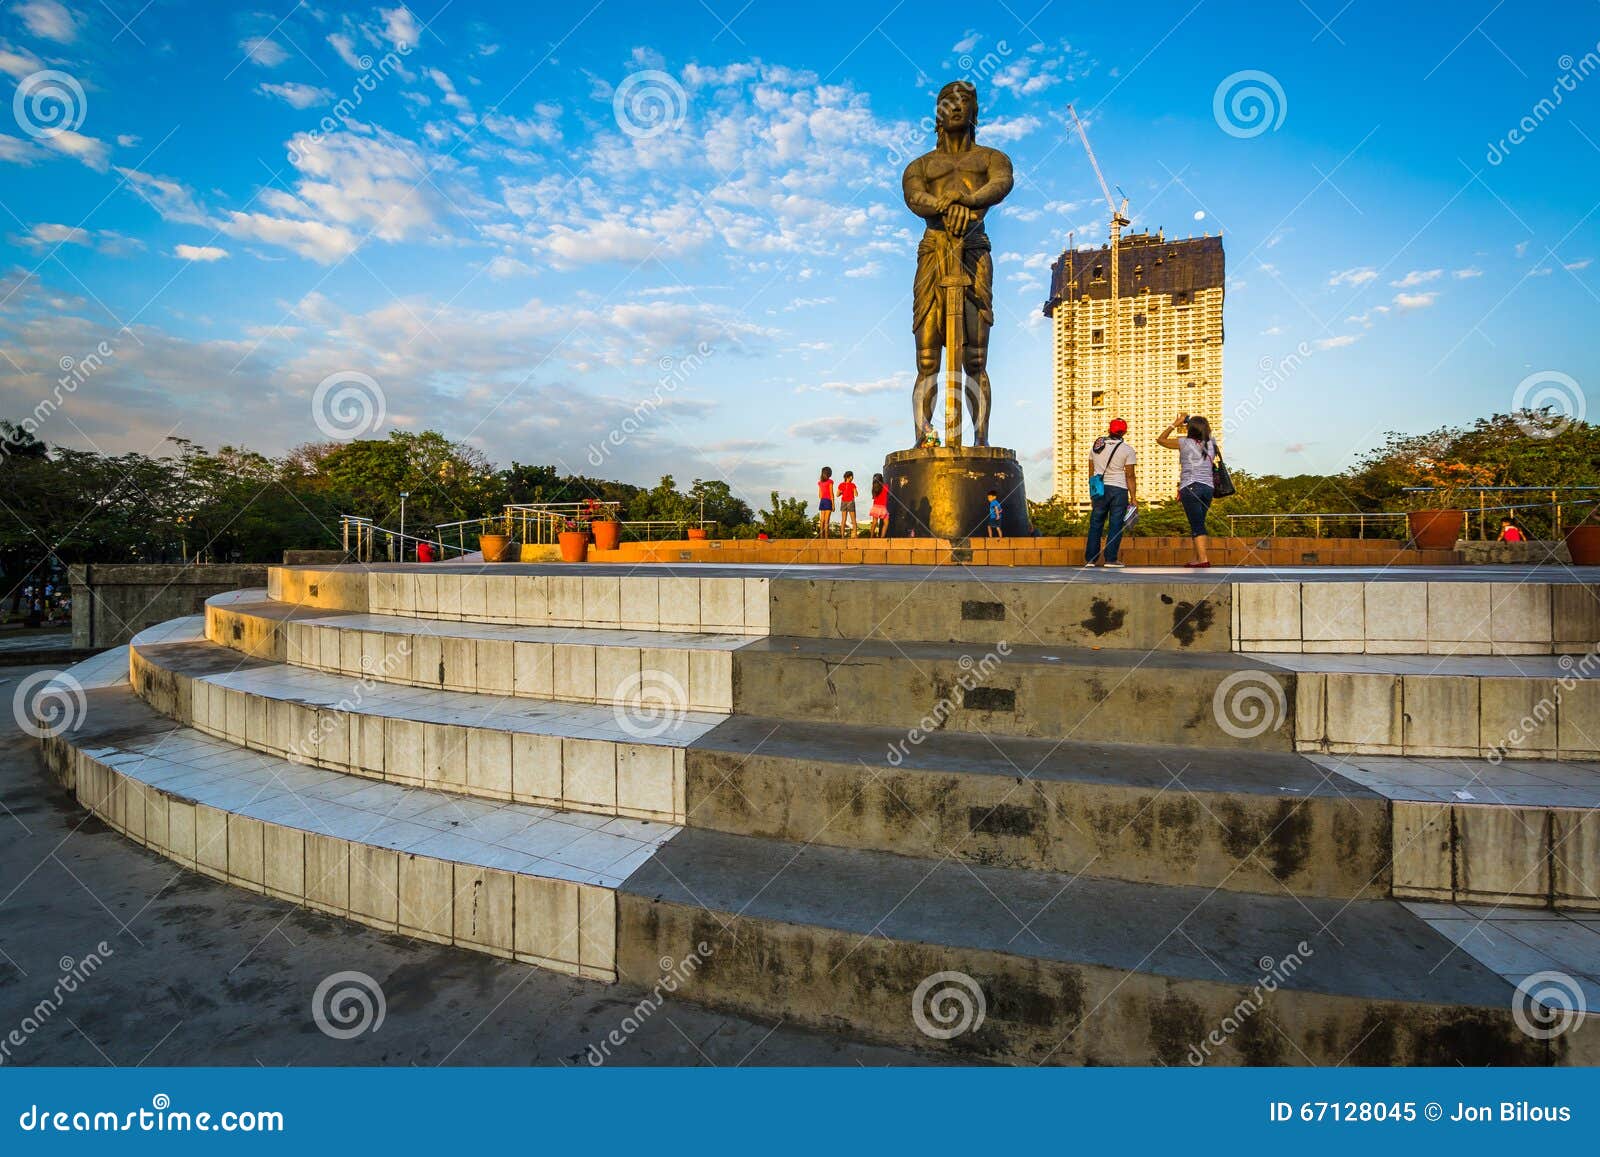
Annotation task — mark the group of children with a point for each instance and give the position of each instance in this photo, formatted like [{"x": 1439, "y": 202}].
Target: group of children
[{"x": 879, "y": 513}]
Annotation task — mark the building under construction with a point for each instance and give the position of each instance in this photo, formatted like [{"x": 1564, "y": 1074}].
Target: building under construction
[{"x": 1149, "y": 350}]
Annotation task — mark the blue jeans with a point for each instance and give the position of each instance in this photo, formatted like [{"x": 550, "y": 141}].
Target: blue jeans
[
  {"x": 1196, "y": 499},
  {"x": 1107, "y": 514}
]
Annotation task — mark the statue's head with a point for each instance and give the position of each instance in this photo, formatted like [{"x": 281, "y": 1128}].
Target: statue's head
[{"x": 957, "y": 109}]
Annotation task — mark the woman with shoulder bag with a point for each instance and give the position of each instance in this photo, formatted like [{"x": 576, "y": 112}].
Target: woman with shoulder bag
[{"x": 1198, "y": 463}]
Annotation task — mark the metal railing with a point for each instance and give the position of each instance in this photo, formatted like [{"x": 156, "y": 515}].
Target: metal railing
[
  {"x": 367, "y": 534},
  {"x": 1555, "y": 505},
  {"x": 1361, "y": 519}
]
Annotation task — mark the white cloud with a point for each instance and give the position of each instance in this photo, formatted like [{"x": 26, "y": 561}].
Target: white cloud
[
  {"x": 893, "y": 384},
  {"x": 126, "y": 140},
  {"x": 1577, "y": 265},
  {"x": 199, "y": 252},
  {"x": 18, "y": 62},
  {"x": 969, "y": 40},
  {"x": 1358, "y": 276},
  {"x": 295, "y": 94},
  {"x": 48, "y": 18},
  {"x": 1338, "y": 342},
  {"x": 1463, "y": 274},
  {"x": 92, "y": 152},
  {"x": 346, "y": 48},
  {"x": 265, "y": 51},
  {"x": 1406, "y": 302},
  {"x": 1418, "y": 277},
  {"x": 167, "y": 197},
  {"x": 313, "y": 240},
  {"x": 869, "y": 269},
  {"x": 851, "y": 430},
  {"x": 400, "y": 27},
  {"x": 1003, "y": 130},
  {"x": 16, "y": 151},
  {"x": 45, "y": 234}
]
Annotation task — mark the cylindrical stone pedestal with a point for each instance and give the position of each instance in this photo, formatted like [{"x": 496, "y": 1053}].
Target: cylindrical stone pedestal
[{"x": 942, "y": 492}]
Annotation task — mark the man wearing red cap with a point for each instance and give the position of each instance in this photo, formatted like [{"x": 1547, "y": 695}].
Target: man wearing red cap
[{"x": 1112, "y": 491}]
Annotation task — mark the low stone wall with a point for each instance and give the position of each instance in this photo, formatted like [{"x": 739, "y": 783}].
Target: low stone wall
[
  {"x": 1513, "y": 553},
  {"x": 112, "y": 602}
]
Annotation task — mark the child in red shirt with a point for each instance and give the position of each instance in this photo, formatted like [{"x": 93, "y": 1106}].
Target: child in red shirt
[
  {"x": 847, "y": 504},
  {"x": 879, "y": 513},
  {"x": 824, "y": 501}
]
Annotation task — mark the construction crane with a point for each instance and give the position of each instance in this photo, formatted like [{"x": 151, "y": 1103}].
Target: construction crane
[{"x": 1119, "y": 218}]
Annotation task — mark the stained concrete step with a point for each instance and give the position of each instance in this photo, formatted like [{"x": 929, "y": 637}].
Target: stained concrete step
[
  {"x": 1067, "y": 969},
  {"x": 606, "y": 759},
  {"x": 1201, "y": 699},
  {"x": 506, "y": 879},
  {"x": 683, "y": 670},
  {"x": 1269, "y": 822}
]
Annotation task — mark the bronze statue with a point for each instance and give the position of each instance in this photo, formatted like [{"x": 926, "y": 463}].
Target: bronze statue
[{"x": 951, "y": 188}]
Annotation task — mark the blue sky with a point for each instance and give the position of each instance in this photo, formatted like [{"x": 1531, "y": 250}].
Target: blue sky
[{"x": 643, "y": 238}]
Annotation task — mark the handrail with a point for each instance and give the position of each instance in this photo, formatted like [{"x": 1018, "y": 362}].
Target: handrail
[
  {"x": 1359, "y": 516},
  {"x": 366, "y": 537}
]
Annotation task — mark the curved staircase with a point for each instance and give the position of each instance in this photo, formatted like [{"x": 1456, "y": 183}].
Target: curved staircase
[{"x": 1145, "y": 818}]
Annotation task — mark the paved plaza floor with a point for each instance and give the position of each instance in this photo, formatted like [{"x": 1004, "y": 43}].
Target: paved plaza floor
[{"x": 201, "y": 973}]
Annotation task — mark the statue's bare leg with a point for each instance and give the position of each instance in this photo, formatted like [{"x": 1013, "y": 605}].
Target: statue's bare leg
[
  {"x": 977, "y": 387},
  {"x": 925, "y": 394}
]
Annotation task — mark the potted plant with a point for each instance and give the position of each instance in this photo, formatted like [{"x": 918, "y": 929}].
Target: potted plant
[
  {"x": 603, "y": 525},
  {"x": 1437, "y": 524},
  {"x": 497, "y": 545},
  {"x": 574, "y": 540},
  {"x": 1583, "y": 540},
  {"x": 698, "y": 532}
]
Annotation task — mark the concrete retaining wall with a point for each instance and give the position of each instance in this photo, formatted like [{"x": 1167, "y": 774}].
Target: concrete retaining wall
[{"x": 112, "y": 602}]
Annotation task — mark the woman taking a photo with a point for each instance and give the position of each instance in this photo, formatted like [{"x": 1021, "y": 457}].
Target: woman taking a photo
[{"x": 1197, "y": 456}]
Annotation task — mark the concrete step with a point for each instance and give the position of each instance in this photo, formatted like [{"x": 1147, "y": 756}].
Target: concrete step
[
  {"x": 1270, "y": 822},
  {"x": 514, "y": 881},
  {"x": 1065, "y": 969},
  {"x": 713, "y": 599},
  {"x": 606, "y": 759},
  {"x": 682, "y": 670},
  {"x": 1492, "y": 706},
  {"x": 1183, "y": 698}
]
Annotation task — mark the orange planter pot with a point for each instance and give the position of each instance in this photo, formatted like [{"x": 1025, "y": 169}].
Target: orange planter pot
[
  {"x": 1435, "y": 529},
  {"x": 497, "y": 548},
  {"x": 1583, "y": 543},
  {"x": 697, "y": 532},
  {"x": 607, "y": 533},
  {"x": 574, "y": 545}
]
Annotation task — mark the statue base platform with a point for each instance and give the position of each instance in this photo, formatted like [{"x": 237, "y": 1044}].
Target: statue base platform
[{"x": 942, "y": 492}]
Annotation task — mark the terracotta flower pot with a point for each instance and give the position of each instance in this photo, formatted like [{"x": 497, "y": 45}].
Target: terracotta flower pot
[
  {"x": 574, "y": 545},
  {"x": 698, "y": 532},
  {"x": 1435, "y": 529},
  {"x": 1583, "y": 543},
  {"x": 607, "y": 533},
  {"x": 497, "y": 547}
]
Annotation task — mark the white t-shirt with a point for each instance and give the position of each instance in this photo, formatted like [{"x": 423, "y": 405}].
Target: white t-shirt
[
  {"x": 1111, "y": 461},
  {"x": 1194, "y": 461}
]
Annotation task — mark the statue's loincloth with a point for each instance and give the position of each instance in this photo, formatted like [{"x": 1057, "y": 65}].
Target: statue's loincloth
[{"x": 927, "y": 299}]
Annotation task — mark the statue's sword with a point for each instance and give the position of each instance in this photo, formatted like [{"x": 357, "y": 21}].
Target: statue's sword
[{"x": 954, "y": 283}]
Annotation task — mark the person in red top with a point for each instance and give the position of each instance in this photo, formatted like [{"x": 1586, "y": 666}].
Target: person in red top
[
  {"x": 879, "y": 513},
  {"x": 824, "y": 501},
  {"x": 1509, "y": 532},
  {"x": 847, "y": 504}
]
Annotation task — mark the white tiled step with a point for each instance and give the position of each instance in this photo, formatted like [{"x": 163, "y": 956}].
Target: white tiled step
[
  {"x": 577, "y": 664},
  {"x": 1520, "y": 616},
  {"x": 1512, "y": 832},
  {"x": 604, "y": 759},
  {"x": 1504, "y": 706},
  {"x": 506, "y": 879},
  {"x": 731, "y": 603}
]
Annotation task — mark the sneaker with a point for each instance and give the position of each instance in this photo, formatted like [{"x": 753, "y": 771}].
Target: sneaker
[
  {"x": 1118, "y": 565},
  {"x": 1090, "y": 565}
]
